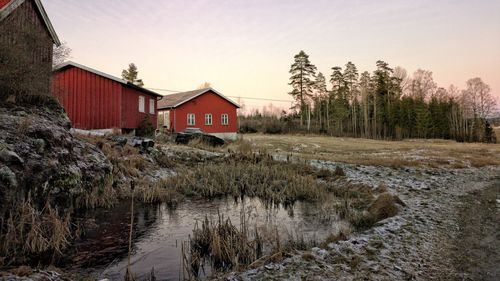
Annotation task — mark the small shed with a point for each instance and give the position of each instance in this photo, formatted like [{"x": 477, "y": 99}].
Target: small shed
[
  {"x": 95, "y": 100},
  {"x": 206, "y": 109}
]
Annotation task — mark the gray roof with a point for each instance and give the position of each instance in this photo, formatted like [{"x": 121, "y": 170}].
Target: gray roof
[
  {"x": 14, "y": 4},
  {"x": 175, "y": 100},
  {"x": 69, "y": 64}
]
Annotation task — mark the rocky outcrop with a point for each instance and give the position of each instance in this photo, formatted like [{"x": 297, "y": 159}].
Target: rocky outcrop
[{"x": 41, "y": 159}]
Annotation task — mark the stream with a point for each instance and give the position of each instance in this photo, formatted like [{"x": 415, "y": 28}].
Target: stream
[{"x": 160, "y": 231}]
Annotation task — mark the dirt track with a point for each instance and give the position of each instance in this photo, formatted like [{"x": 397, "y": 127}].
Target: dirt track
[{"x": 447, "y": 231}]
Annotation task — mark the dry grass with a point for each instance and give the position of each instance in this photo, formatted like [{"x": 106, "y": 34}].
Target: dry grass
[
  {"x": 227, "y": 247},
  {"x": 29, "y": 232},
  {"x": 408, "y": 153},
  {"x": 157, "y": 192},
  {"x": 100, "y": 196},
  {"x": 253, "y": 176}
]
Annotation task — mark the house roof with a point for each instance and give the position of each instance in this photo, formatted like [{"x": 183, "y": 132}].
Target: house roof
[
  {"x": 175, "y": 100},
  {"x": 8, "y": 6},
  {"x": 70, "y": 64}
]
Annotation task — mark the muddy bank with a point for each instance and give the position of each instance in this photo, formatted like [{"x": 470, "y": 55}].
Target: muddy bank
[
  {"x": 409, "y": 245},
  {"x": 474, "y": 239}
]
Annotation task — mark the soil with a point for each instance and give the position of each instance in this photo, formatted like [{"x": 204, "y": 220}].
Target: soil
[{"x": 447, "y": 231}]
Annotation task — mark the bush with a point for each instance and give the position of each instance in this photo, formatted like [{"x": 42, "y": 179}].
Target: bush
[
  {"x": 273, "y": 128},
  {"x": 247, "y": 129},
  {"x": 146, "y": 128}
]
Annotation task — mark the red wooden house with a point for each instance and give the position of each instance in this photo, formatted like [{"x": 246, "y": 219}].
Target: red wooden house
[
  {"x": 206, "y": 109},
  {"x": 94, "y": 100},
  {"x": 26, "y": 41}
]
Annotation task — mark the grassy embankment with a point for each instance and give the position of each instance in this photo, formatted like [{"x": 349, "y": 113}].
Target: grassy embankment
[{"x": 408, "y": 153}]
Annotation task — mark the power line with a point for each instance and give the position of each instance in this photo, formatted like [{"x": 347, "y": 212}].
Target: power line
[{"x": 236, "y": 97}]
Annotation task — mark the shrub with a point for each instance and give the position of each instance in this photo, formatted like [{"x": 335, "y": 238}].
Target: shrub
[
  {"x": 385, "y": 206},
  {"x": 273, "y": 128},
  {"x": 146, "y": 128}
]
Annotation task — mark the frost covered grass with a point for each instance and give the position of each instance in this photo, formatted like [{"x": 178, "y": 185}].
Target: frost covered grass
[{"x": 396, "y": 154}]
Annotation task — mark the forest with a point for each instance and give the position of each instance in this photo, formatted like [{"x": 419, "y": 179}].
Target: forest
[{"x": 385, "y": 104}]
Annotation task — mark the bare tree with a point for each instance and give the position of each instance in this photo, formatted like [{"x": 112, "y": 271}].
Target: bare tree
[
  {"x": 422, "y": 85},
  {"x": 204, "y": 85},
  {"x": 61, "y": 54},
  {"x": 481, "y": 101}
]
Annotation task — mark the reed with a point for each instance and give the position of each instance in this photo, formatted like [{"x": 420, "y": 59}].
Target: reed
[
  {"x": 255, "y": 176},
  {"x": 29, "y": 231}
]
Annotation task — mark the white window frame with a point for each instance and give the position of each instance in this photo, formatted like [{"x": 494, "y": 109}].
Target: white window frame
[
  {"x": 142, "y": 105},
  {"x": 208, "y": 119},
  {"x": 152, "y": 106},
  {"x": 191, "y": 119},
  {"x": 224, "y": 119}
]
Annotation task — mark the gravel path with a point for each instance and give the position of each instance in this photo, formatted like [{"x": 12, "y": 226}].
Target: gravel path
[{"x": 447, "y": 231}]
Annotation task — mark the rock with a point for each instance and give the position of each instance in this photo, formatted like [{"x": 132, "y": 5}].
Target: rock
[
  {"x": 6, "y": 175},
  {"x": 39, "y": 145},
  {"x": 10, "y": 157},
  {"x": 46, "y": 159},
  {"x": 120, "y": 141}
]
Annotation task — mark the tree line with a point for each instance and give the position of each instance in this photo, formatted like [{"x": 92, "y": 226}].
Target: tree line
[{"x": 388, "y": 103}]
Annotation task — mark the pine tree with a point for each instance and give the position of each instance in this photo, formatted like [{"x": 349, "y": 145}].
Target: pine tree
[
  {"x": 338, "y": 97},
  {"x": 365, "y": 89},
  {"x": 320, "y": 98},
  {"x": 302, "y": 82},
  {"x": 381, "y": 105},
  {"x": 351, "y": 88},
  {"x": 131, "y": 74}
]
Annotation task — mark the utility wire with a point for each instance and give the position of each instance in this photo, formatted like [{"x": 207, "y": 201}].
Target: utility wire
[{"x": 236, "y": 97}]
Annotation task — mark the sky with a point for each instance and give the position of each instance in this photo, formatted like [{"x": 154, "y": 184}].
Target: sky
[{"x": 244, "y": 48}]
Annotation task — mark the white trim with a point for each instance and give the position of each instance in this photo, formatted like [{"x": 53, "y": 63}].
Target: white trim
[
  {"x": 110, "y": 77},
  {"x": 10, "y": 7},
  {"x": 222, "y": 119},
  {"x": 142, "y": 106},
  {"x": 189, "y": 119},
  {"x": 152, "y": 106},
  {"x": 203, "y": 92},
  {"x": 77, "y": 65},
  {"x": 211, "y": 119}
]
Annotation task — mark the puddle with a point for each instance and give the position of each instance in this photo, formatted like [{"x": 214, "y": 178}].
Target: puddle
[{"x": 159, "y": 233}]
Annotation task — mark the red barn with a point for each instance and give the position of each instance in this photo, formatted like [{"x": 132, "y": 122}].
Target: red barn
[
  {"x": 26, "y": 41},
  {"x": 206, "y": 109},
  {"x": 94, "y": 100}
]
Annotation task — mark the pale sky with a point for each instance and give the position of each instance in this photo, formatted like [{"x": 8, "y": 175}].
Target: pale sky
[{"x": 245, "y": 47}]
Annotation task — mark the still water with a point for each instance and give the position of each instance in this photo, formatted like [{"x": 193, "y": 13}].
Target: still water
[{"x": 160, "y": 231}]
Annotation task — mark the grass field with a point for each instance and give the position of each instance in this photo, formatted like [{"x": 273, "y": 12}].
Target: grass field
[{"x": 421, "y": 153}]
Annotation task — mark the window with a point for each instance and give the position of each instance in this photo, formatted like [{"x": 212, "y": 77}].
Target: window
[
  {"x": 208, "y": 119},
  {"x": 191, "y": 119},
  {"x": 224, "y": 119},
  {"x": 151, "y": 106},
  {"x": 141, "y": 104}
]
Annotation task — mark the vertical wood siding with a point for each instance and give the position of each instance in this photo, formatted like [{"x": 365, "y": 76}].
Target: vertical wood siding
[
  {"x": 91, "y": 101},
  {"x": 24, "y": 33},
  {"x": 131, "y": 117},
  {"x": 208, "y": 103}
]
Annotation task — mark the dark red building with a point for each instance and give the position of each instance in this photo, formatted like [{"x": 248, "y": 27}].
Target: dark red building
[
  {"x": 26, "y": 43},
  {"x": 206, "y": 109},
  {"x": 95, "y": 100}
]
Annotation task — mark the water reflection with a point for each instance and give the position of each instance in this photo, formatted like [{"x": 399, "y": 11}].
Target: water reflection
[{"x": 159, "y": 232}]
